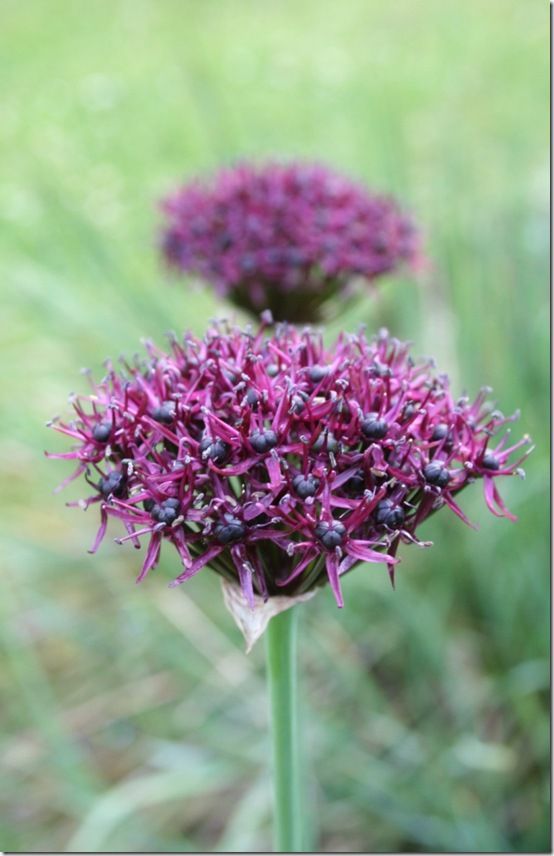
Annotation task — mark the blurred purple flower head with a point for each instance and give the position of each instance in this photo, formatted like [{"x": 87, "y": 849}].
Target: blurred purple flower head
[
  {"x": 285, "y": 237},
  {"x": 278, "y": 462}
]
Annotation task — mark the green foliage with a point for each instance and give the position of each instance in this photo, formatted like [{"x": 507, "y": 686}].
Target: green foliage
[{"x": 132, "y": 719}]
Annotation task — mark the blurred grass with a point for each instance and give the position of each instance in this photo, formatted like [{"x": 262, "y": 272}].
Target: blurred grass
[{"x": 132, "y": 720}]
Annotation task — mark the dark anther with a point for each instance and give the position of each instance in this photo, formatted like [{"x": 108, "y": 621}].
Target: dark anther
[
  {"x": 440, "y": 431},
  {"x": 380, "y": 370},
  {"x": 374, "y": 428},
  {"x": 317, "y": 373},
  {"x": 435, "y": 474},
  {"x": 356, "y": 484},
  {"x": 380, "y": 244},
  {"x": 167, "y": 512},
  {"x": 409, "y": 410},
  {"x": 148, "y": 504},
  {"x": 389, "y": 514},
  {"x": 263, "y": 441},
  {"x": 326, "y": 440},
  {"x": 272, "y": 370},
  {"x": 101, "y": 432},
  {"x": 294, "y": 256},
  {"x": 172, "y": 502},
  {"x": 331, "y": 535},
  {"x": 215, "y": 450},
  {"x": 165, "y": 412},
  {"x": 113, "y": 484},
  {"x": 305, "y": 486},
  {"x": 248, "y": 263},
  {"x": 273, "y": 256},
  {"x": 296, "y": 404},
  {"x": 490, "y": 461},
  {"x": 225, "y": 241},
  {"x": 229, "y": 530},
  {"x": 252, "y": 397}
]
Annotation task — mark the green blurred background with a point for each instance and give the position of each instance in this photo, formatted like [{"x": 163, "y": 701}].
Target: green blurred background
[{"x": 132, "y": 720}]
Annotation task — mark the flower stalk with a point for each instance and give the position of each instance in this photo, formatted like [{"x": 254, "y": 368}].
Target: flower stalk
[{"x": 281, "y": 648}]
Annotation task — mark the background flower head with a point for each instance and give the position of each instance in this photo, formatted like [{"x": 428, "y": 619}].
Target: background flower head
[
  {"x": 285, "y": 237},
  {"x": 279, "y": 462}
]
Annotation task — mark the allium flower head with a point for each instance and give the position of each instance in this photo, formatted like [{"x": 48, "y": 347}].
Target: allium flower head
[
  {"x": 278, "y": 462},
  {"x": 284, "y": 237}
]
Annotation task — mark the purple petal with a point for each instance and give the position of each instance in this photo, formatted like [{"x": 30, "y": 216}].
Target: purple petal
[
  {"x": 197, "y": 565},
  {"x": 152, "y": 555},
  {"x": 332, "y": 565},
  {"x": 360, "y": 550}
]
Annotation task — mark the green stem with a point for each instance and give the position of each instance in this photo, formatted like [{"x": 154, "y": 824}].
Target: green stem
[{"x": 281, "y": 636}]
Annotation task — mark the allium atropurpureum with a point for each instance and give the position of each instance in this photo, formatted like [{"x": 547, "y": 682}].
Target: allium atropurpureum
[
  {"x": 285, "y": 237},
  {"x": 277, "y": 462}
]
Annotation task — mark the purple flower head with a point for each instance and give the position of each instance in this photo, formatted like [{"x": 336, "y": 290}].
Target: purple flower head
[
  {"x": 278, "y": 462},
  {"x": 284, "y": 237}
]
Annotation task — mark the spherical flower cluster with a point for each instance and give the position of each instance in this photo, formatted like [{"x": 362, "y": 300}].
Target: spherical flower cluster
[
  {"x": 284, "y": 237},
  {"x": 278, "y": 462}
]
